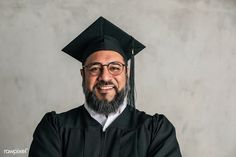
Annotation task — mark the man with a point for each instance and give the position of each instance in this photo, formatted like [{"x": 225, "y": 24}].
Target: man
[{"x": 107, "y": 125}]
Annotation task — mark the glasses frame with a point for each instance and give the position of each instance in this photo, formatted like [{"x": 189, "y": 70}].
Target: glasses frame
[{"x": 102, "y": 65}]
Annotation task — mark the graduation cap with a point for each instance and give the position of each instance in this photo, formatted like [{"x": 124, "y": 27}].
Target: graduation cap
[{"x": 103, "y": 35}]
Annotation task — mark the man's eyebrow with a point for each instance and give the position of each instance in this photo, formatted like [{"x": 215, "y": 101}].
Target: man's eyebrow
[{"x": 92, "y": 63}]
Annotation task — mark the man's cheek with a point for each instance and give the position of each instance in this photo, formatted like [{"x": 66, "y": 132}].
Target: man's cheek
[{"x": 92, "y": 87}]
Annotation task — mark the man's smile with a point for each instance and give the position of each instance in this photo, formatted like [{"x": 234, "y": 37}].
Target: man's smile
[{"x": 105, "y": 88}]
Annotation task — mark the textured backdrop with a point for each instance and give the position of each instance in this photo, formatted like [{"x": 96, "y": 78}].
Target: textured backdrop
[{"x": 187, "y": 71}]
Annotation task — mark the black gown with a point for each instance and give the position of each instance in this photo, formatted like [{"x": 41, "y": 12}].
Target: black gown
[{"x": 76, "y": 134}]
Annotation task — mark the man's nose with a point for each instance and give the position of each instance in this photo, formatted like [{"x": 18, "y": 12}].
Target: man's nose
[{"x": 104, "y": 75}]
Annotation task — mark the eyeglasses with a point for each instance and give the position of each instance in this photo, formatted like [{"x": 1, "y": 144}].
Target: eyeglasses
[{"x": 114, "y": 68}]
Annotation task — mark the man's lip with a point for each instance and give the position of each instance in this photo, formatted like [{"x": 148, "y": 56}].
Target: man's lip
[{"x": 105, "y": 88}]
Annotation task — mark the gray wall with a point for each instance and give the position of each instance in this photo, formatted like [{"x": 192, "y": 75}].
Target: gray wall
[{"x": 187, "y": 71}]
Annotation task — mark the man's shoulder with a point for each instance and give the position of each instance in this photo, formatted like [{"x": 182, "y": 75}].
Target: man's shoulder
[
  {"x": 68, "y": 118},
  {"x": 72, "y": 113},
  {"x": 143, "y": 118},
  {"x": 142, "y": 114}
]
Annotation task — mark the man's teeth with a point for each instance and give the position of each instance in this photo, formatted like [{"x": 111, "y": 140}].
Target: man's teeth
[{"x": 106, "y": 87}]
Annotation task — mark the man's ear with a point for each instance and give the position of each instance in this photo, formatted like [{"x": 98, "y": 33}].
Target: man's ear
[
  {"x": 82, "y": 73},
  {"x": 127, "y": 72}
]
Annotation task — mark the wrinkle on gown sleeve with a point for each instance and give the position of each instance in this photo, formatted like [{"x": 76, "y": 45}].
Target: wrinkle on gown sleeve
[
  {"x": 46, "y": 141},
  {"x": 163, "y": 142}
]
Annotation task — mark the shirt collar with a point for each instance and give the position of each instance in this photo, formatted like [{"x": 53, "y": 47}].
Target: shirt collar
[{"x": 101, "y": 118}]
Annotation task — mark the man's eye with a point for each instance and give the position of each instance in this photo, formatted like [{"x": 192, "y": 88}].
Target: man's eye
[
  {"x": 94, "y": 69},
  {"x": 115, "y": 68}
]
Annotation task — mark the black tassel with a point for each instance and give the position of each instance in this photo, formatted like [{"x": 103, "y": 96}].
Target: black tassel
[{"x": 131, "y": 94}]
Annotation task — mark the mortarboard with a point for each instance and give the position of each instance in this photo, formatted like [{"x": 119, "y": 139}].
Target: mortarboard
[{"x": 103, "y": 35}]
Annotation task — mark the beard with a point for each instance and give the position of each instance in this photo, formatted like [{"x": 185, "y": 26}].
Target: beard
[{"x": 104, "y": 106}]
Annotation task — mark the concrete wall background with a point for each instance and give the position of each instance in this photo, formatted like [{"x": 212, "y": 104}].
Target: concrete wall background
[{"x": 187, "y": 71}]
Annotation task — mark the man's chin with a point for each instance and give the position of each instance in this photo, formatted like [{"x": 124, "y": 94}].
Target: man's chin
[{"x": 105, "y": 97}]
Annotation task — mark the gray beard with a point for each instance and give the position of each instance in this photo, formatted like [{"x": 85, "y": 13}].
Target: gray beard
[{"x": 103, "y": 106}]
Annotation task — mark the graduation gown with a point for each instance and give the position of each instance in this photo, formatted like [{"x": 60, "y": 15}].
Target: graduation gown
[{"x": 132, "y": 134}]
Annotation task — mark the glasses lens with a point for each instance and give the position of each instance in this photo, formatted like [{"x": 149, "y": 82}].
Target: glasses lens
[
  {"x": 95, "y": 69},
  {"x": 115, "y": 68}
]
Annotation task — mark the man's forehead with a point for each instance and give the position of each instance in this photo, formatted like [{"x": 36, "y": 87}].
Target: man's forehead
[{"x": 104, "y": 56}]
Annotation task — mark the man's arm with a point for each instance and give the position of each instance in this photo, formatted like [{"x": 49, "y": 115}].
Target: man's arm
[
  {"x": 46, "y": 140},
  {"x": 164, "y": 142}
]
